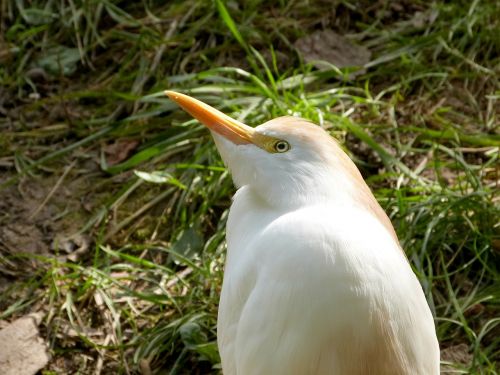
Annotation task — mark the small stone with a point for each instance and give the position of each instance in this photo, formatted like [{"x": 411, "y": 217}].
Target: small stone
[{"x": 22, "y": 350}]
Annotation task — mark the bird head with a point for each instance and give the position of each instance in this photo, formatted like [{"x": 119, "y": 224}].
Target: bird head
[{"x": 288, "y": 161}]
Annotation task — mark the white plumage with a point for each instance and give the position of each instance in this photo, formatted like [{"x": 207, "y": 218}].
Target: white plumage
[{"x": 315, "y": 281}]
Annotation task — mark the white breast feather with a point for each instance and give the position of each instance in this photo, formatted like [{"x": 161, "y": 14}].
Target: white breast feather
[{"x": 333, "y": 296}]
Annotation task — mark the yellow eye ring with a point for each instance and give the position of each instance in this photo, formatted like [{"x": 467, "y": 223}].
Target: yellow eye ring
[{"x": 281, "y": 146}]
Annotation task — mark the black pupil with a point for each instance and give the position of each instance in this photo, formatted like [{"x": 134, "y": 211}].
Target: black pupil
[{"x": 281, "y": 146}]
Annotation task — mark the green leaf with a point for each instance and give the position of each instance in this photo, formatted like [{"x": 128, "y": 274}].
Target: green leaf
[
  {"x": 159, "y": 177},
  {"x": 59, "y": 60},
  {"x": 226, "y": 17},
  {"x": 189, "y": 242},
  {"x": 35, "y": 16}
]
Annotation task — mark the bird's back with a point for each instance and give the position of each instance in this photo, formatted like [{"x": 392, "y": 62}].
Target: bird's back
[{"x": 319, "y": 290}]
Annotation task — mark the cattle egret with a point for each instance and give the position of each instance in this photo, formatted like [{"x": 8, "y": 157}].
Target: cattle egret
[{"x": 315, "y": 280}]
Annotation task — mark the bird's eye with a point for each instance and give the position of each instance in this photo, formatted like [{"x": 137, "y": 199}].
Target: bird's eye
[{"x": 281, "y": 146}]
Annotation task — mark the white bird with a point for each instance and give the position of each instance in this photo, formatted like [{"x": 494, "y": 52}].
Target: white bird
[{"x": 315, "y": 280}]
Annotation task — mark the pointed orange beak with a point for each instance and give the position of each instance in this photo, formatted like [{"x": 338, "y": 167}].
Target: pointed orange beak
[{"x": 213, "y": 119}]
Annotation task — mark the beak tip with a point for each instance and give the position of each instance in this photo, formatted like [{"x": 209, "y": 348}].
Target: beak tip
[{"x": 171, "y": 94}]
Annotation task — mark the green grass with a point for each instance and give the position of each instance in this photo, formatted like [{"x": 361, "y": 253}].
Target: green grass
[{"x": 421, "y": 123}]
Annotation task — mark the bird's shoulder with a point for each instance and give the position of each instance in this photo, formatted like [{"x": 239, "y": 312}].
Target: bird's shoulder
[
  {"x": 257, "y": 233},
  {"x": 334, "y": 225},
  {"x": 336, "y": 220},
  {"x": 345, "y": 235}
]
